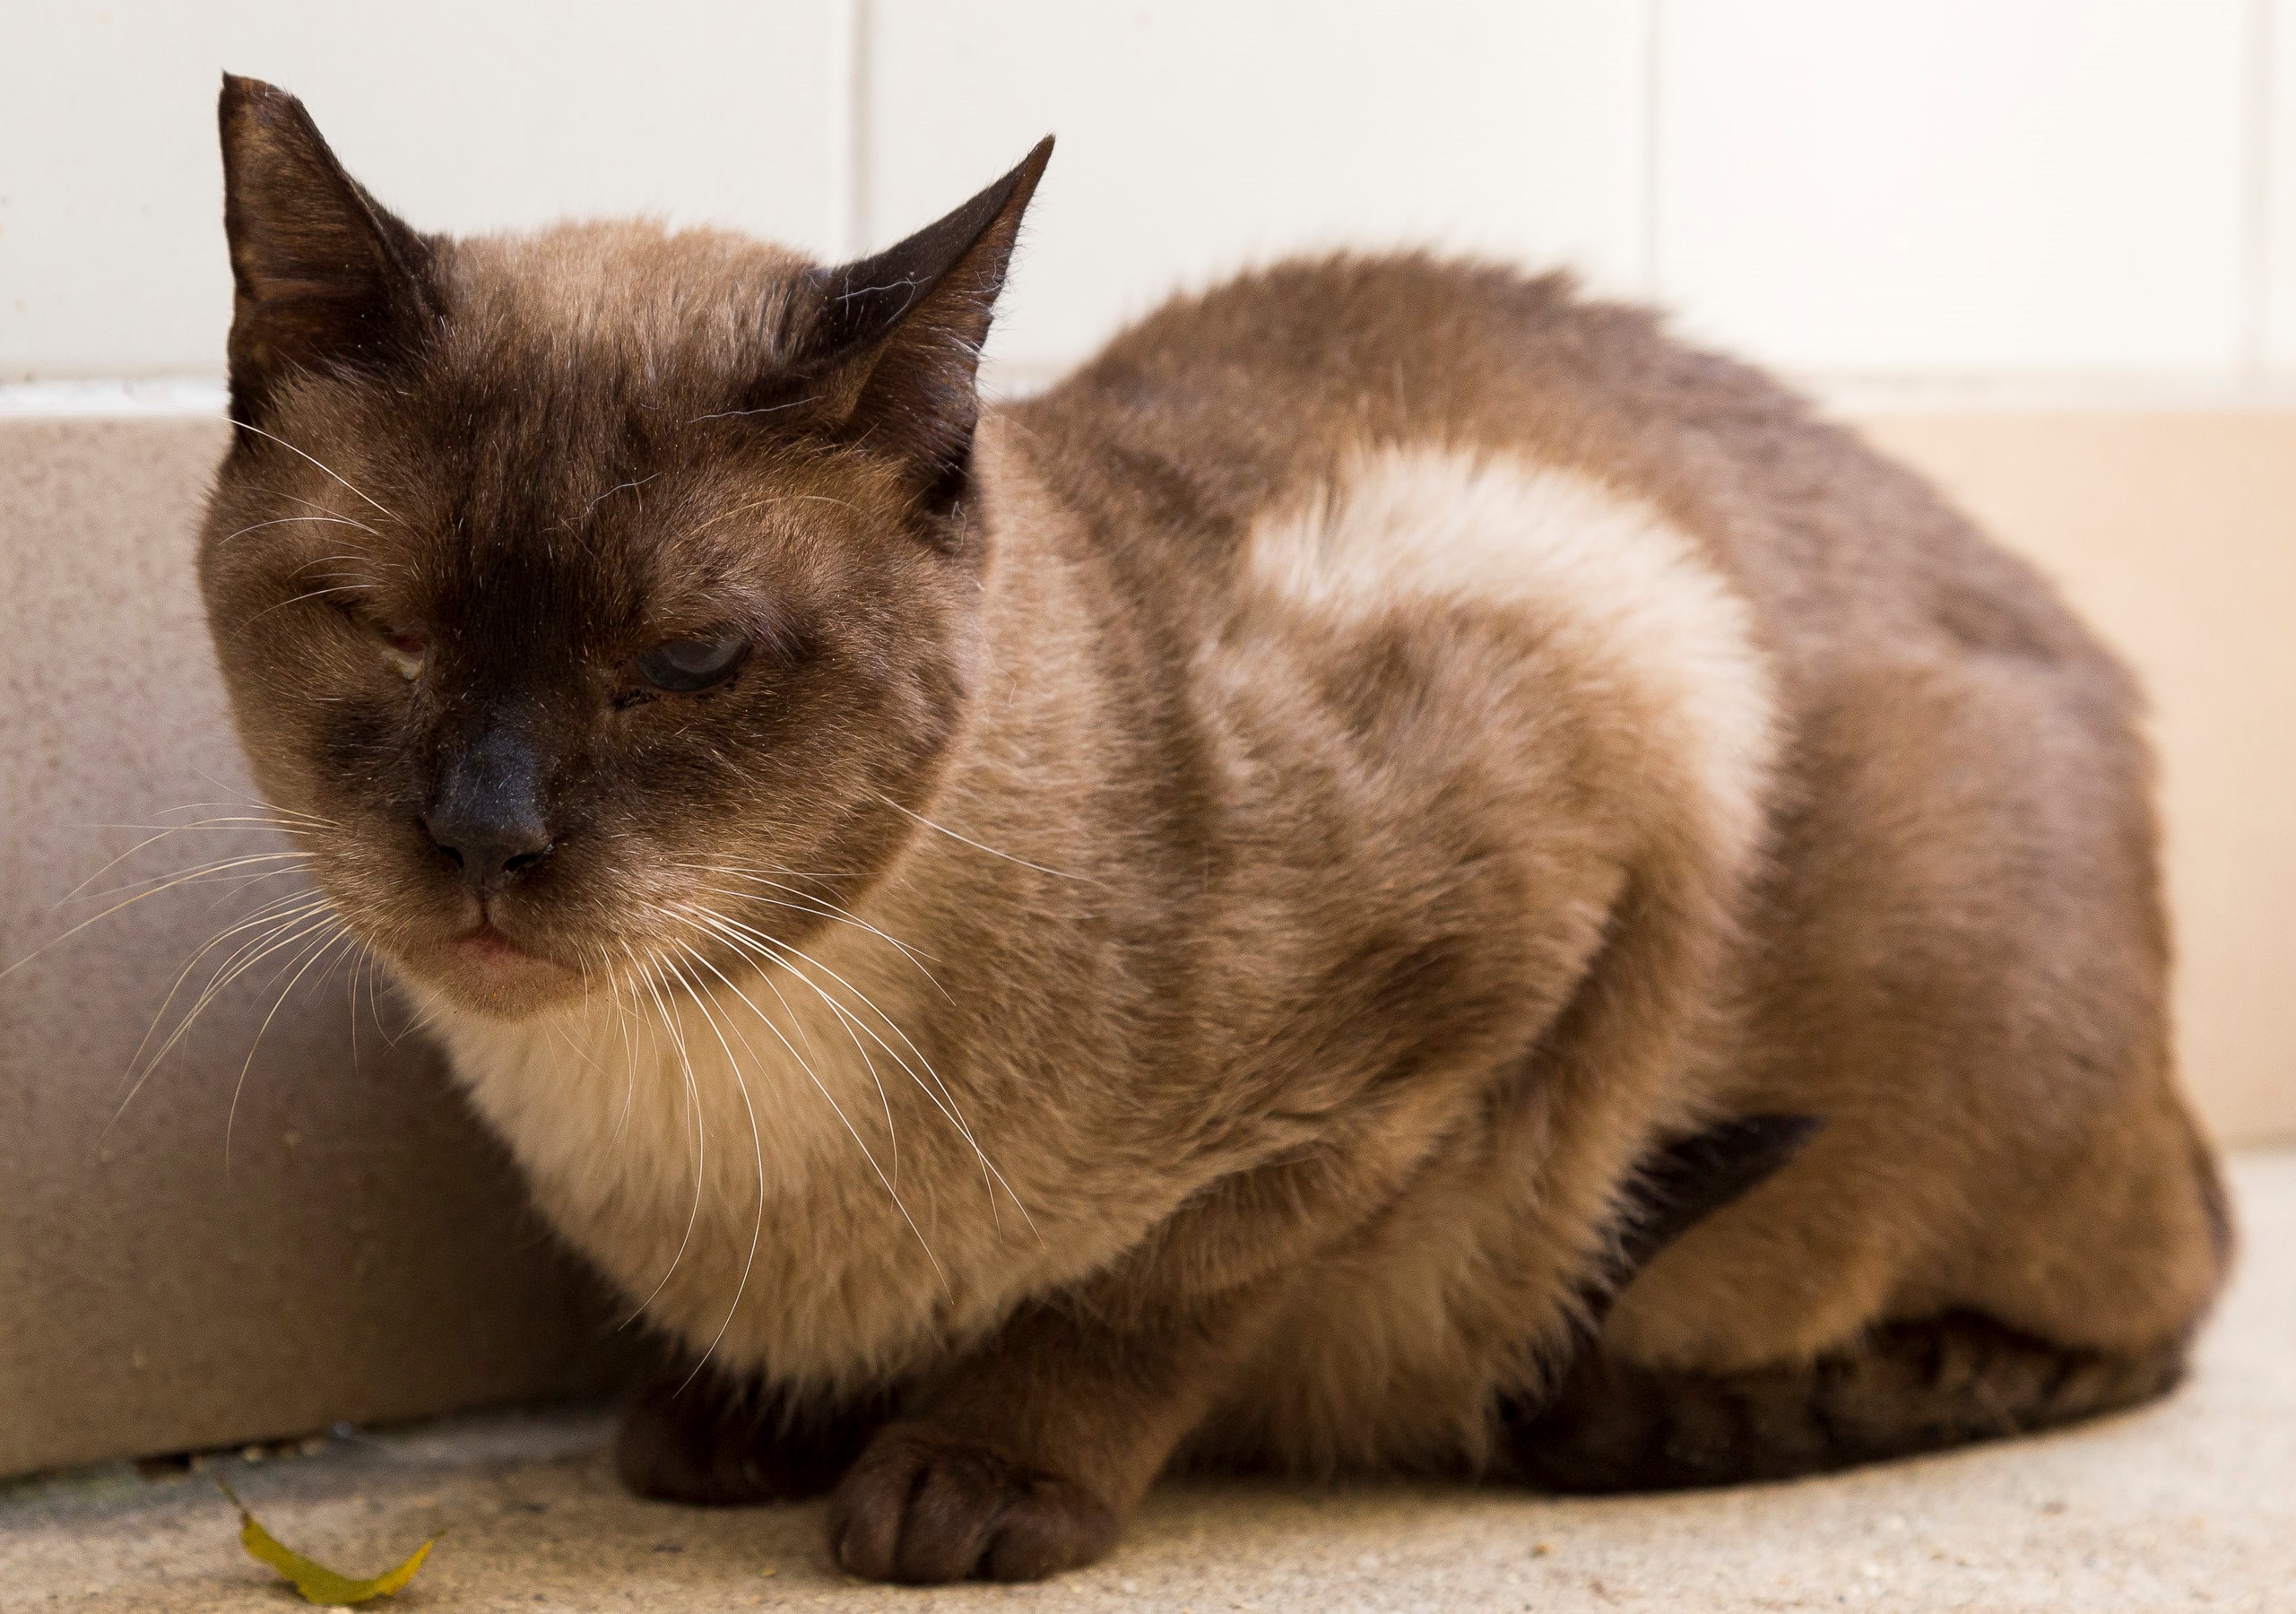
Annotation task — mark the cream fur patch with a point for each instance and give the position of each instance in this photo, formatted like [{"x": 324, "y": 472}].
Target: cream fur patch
[
  {"x": 756, "y": 1170},
  {"x": 1635, "y": 594}
]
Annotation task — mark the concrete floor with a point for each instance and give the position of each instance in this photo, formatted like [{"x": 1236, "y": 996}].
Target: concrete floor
[{"x": 2190, "y": 1505}]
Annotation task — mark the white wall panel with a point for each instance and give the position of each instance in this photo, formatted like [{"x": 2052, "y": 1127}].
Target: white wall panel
[
  {"x": 1954, "y": 184},
  {"x": 1198, "y": 134},
  {"x": 460, "y": 115},
  {"x": 1882, "y": 186}
]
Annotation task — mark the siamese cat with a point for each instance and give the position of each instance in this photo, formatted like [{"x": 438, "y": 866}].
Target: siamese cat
[{"x": 1401, "y": 873}]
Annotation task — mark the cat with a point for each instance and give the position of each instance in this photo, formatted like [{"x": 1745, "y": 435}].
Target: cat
[{"x": 1401, "y": 873}]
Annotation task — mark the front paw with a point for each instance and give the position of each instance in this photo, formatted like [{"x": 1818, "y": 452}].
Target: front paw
[
  {"x": 689, "y": 1439},
  {"x": 926, "y": 1508}
]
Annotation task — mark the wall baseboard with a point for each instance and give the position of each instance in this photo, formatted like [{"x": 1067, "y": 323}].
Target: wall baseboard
[{"x": 135, "y": 398}]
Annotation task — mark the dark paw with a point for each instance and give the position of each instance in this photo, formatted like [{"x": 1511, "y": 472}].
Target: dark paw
[
  {"x": 923, "y": 1508},
  {"x": 699, "y": 1441}
]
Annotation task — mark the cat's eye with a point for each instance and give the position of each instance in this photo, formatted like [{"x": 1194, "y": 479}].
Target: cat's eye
[
  {"x": 405, "y": 648},
  {"x": 688, "y": 666}
]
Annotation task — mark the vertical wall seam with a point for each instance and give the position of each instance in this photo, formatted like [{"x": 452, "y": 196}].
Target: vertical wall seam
[
  {"x": 1654, "y": 21},
  {"x": 836, "y": 68},
  {"x": 2258, "y": 94},
  {"x": 860, "y": 148}
]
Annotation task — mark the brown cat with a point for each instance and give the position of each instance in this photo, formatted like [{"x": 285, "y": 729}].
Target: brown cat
[{"x": 1229, "y": 913}]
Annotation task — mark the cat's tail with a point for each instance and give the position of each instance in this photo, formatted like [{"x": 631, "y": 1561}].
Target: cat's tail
[{"x": 1907, "y": 1387}]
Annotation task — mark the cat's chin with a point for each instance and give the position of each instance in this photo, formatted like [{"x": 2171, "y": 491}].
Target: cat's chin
[{"x": 486, "y": 973}]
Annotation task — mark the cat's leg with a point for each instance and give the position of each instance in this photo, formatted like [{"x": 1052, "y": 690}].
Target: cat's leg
[
  {"x": 1612, "y": 1424},
  {"x": 1688, "y": 1180},
  {"x": 692, "y": 1437},
  {"x": 1027, "y": 1459},
  {"x": 1905, "y": 1388}
]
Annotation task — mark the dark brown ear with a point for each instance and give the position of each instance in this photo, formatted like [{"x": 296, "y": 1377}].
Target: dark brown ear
[
  {"x": 894, "y": 347},
  {"x": 324, "y": 276}
]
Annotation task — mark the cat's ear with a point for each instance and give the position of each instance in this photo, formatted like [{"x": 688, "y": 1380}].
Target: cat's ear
[
  {"x": 323, "y": 276},
  {"x": 894, "y": 346}
]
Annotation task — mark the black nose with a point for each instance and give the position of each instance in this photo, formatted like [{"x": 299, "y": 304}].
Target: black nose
[
  {"x": 488, "y": 815},
  {"x": 490, "y": 854}
]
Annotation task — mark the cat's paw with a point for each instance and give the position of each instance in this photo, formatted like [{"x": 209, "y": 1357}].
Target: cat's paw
[
  {"x": 686, "y": 1438},
  {"x": 926, "y": 1508}
]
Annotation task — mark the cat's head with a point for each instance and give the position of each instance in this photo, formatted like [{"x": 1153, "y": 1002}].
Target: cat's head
[{"x": 591, "y": 593}]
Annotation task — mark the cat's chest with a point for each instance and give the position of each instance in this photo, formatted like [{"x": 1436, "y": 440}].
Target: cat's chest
[{"x": 801, "y": 1193}]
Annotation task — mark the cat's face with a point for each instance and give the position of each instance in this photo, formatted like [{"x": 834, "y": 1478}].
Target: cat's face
[{"x": 598, "y": 600}]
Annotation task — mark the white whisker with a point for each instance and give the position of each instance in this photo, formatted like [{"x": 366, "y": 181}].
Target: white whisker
[
  {"x": 817, "y": 906},
  {"x": 200, "y": 875},
  {"x": 245, "y": 958},
  {"x": 936, "y": 1091},
  {"x": 701, "y": 1138},
  {"x": 284, "y": 520},
  {"x": 977, "y": 847},
  {"x": 756, "y": 1154},
  {"x": 923, "y": 1243},
  {"x": 315, "y": 593},
  {"x": 319, "y": 950},
  {"x": 168, "y": 884},
  {"x": 314, "y": 459}
]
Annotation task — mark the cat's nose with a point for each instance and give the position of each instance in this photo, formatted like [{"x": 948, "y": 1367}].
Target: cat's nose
[
  {"x": 491, "y": 853},
  {"x": 488, "y": 815}
]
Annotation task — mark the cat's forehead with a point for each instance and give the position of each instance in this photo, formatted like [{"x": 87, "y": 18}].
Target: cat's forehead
[
  {"x": 575, "y": 389},
  {"x": 618, "y": 521},
  {"x": 622, "y": 307}
]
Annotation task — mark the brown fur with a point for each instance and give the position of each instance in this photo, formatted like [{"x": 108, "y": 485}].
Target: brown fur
[{"x": 1367, "y": 766}]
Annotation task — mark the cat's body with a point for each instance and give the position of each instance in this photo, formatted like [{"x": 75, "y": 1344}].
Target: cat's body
[{"x": 1406, "y": 749}]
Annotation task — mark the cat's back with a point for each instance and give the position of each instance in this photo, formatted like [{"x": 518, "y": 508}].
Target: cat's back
[{"x": 1197, "y": 423}]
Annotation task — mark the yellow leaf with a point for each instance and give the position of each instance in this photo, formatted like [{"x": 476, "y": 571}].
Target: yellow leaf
[{"x": 317, "y": 1582}]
